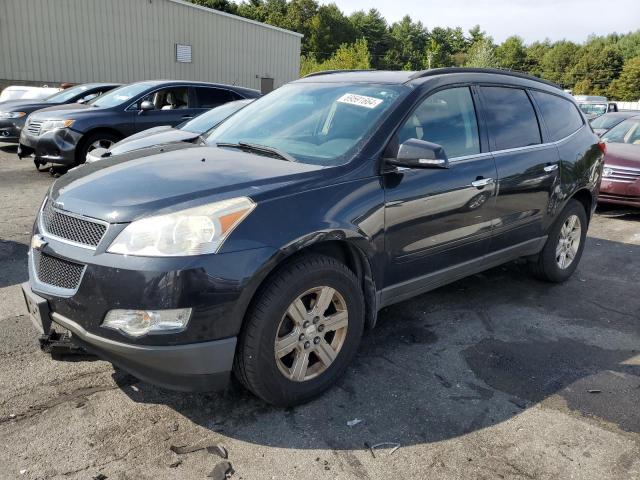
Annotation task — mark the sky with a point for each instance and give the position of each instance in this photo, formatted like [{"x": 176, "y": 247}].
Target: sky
[{"x": 530, "y": 19}]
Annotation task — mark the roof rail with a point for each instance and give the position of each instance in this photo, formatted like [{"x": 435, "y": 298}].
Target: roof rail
[
  {"x": 329, "y": 72},
  {"x": 446, "y": 70}
]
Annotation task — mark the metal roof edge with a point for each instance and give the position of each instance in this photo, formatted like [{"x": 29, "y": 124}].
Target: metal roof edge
[{"x": 236, "y": 17}]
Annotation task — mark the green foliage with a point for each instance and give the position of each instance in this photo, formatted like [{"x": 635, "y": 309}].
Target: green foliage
[
  {"x": 601, "y": 65},
  {"x": 347, "y": 57},
  {"x": 627, "y": 86}
]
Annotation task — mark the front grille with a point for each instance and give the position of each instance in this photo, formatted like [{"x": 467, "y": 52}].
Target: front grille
[
  {"x": 34, "y": 127},
  {"x": 621, "y": 174},
  {"x": 56, "y": 271},
  {"x": 78, "y": 230}
]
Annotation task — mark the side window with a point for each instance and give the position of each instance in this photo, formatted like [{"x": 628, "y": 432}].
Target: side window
[
  {"x": 175, "y": 98},
  {"x": 560, "y": 115},
  {"x": 447, "y": 118},
  {"x": 212, "y": 97},
  {"x": 510, "y": 117}
]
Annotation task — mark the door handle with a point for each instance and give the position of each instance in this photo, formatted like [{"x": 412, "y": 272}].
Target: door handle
[
  {"x": 186, "y": 117},
  {"x": 551, "y": 168},
  {"x": 482, "y": 182}
]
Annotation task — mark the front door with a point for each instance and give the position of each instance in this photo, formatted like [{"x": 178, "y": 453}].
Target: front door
[
  {"x": 172, "y": 106},
  {"x": 439, "y": 218}
]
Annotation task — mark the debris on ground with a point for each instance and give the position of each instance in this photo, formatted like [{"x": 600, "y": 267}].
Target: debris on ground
[
  {"x": 354, "y": 422},
  {"x": 100, "y": 476},
  {"x": 595, "y": 390},
  {"x": 395, "y": 446},
  {"x": 23, "y": 471},
  {"x": 176, "y": 464},
  {"x": 218, "y": 450},
  {"x": 366, "y": 445},
  {"x": 222, "y": 471},
  {"x": 184, "y": 449}
]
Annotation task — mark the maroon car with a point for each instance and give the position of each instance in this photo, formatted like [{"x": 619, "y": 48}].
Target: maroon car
[{"x": 621, "y": 175}]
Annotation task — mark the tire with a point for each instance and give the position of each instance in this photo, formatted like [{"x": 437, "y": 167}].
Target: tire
[
  {"x": 39, "y": 163},
  {"x": 88, "y": 143},
  {"x": 547, "y": 265},
  {"x": 276, "y": 380}
]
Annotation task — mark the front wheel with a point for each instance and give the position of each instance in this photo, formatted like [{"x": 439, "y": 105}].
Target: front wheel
[
  {"x": 93, "y": 141},
  {"x": 561, "y": 254},
  {"x": 301, "y": 332}
]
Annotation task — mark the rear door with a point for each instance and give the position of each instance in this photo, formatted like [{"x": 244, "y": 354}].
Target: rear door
[
  {"x": 528, "y": 169},
  {"x": 206, "y": 98}
]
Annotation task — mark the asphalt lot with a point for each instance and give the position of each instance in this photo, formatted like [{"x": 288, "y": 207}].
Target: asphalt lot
[{"x": 495, "y": 376}]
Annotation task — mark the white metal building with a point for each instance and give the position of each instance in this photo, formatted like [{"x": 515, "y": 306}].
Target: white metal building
[{"x": 55, "y": 41}]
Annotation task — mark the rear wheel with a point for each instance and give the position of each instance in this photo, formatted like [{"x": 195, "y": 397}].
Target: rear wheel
[
  {"x": 561, "y": 254},
  {"x": 301, "y": 332}
]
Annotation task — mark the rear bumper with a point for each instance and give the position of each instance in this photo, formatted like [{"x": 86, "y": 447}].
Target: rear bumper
[
  {"x": 201, "y": 366},
  {"x": 57, "y": 146}
]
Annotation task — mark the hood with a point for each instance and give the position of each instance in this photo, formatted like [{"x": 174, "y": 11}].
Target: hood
[
  {"x": 622, "y": 155},
  {"x": 63, "y": 112},
  {"x": 17, "y": 105},
  {"x": 121, "y": 189},
  {"x": 153, "y": 136}
]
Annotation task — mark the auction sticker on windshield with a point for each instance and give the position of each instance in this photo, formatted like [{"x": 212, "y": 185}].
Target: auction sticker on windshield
[{"x": 360, "y": 100}]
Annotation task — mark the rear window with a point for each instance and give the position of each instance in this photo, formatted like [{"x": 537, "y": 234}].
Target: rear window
[
  {"x": 212, "y": 97},
  {"x": 511, "y": 119},
  {"x": 560, "y": 115}
]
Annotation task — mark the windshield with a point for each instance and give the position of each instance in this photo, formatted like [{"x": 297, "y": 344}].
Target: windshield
[
  {"x": 593, "y": 108},
  {"x": 67, "y": 94},
  {"x": 626, "y": 132},
  {"x": 317, "y": 123},
  {"x": 606, "y": 121},
  {"x": 119, "y": 95},
  {"x": 213, "y": 117}
]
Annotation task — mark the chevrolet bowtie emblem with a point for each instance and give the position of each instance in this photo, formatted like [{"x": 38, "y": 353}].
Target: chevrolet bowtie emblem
[{"x": 38, "y": 242}]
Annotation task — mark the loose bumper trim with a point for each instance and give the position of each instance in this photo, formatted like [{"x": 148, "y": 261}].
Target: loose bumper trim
[{"x": 192, "y": 367}]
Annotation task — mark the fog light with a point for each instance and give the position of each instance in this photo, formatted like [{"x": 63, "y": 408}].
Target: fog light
[{"x": 137, "y": 323}]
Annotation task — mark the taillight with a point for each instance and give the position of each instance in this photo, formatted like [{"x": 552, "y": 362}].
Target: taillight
[{"x": 603, "y": 147}]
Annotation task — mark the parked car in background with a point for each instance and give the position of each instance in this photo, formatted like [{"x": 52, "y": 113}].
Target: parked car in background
[
  {"x": 594, "y": 106},
  {"x": 188, "y": 131},
  {"x": 606, "y": 122},
  {"x": 13, "y": 113},
  {"x": 23, "y": 92},
  {"x": 64, "y": 135},
  {"x": 269, "y": 249},
  {"x": 621, "y": 173}
]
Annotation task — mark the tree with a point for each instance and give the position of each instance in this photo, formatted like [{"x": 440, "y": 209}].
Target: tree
[
  {"x": 512, "y": 54},
  {"x": 627, "y": 86},
  {"x": 599, "y": 66},
  {"x": 347, "y": 57},
  {"x": 558, "y": 61},
  {"x": 482, "y": 54},
  {"x": 407, "y": 46},
  {"x": 535, "y": 53},
  {"x": 222, "y": 5},
  {"x": 298, "y": 19},
  {"x": 329, "y": 30},
  {"x": 374, "y": 29}
]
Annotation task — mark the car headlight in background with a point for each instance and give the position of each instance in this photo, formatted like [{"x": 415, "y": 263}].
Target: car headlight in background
[
  {"x": 49, "y": 125},
  {"x": 193, "y": 231},
  {"x": 137, "y": 323},
  {"x": 12, "y": 114}
]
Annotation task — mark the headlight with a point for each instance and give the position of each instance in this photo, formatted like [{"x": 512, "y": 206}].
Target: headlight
[
  {"x": 137, "y": 323},
  {"x": 194, "y": 231},
  {"x": 48, "y": 125},
  {"x": 12, "y": 114}
]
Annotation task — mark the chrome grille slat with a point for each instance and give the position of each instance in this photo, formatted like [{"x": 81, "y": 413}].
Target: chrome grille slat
[
  {"x": 622, "y": 174},
  {"x": 72, "y": 228},
  {"x": 57, "y": 271},
  {"x": 34, "y": 127}
]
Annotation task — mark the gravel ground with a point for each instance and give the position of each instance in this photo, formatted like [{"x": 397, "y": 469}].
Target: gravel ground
[{"x": 494, "y": 376}]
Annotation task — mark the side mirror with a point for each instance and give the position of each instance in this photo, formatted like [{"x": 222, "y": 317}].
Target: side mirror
[
  {"x": 146, "y": 106},
  {"x": 416, "y": 153}
]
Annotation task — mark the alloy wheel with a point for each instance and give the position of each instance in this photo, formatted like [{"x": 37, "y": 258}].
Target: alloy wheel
[
  {"x": 100, "y": 144},
  {"x": 568, "y": 241},
  {"x": 311, "y": 333}
]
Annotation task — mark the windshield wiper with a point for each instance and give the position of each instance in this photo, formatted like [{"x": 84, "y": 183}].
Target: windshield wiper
[{"x": 254, "y": 147}]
